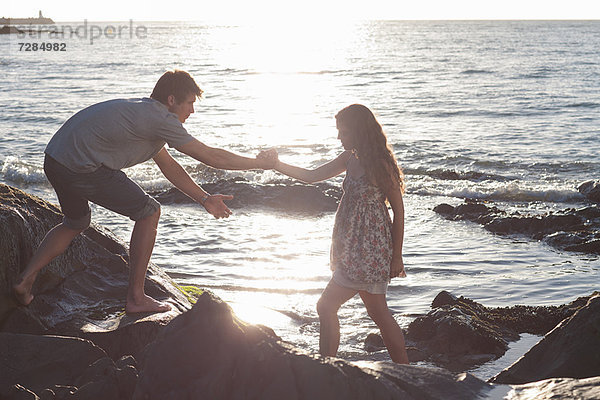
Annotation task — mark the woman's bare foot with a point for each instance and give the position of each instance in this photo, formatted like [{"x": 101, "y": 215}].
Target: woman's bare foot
[
  {"x": 22, "y": 293},
  {"x": 145, "y": 304}
]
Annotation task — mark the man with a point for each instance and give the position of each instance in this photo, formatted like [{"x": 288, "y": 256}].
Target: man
[{"x": 83, "y": 162}]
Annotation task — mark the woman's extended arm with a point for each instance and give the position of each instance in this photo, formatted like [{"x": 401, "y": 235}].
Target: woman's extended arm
[
  {"x": 394, "y": 196},
  {"x": 325, "y": 171}
]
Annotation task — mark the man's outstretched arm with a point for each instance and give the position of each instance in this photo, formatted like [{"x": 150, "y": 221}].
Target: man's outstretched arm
[
  {"x": 222, "y": 159},
  {"x": 175, "y": 173}
]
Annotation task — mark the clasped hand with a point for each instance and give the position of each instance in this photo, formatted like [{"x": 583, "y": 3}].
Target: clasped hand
[{"x": 267, "y": 159}]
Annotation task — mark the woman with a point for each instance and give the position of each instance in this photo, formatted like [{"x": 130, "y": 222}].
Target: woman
[{"x": 366, "y": 250}]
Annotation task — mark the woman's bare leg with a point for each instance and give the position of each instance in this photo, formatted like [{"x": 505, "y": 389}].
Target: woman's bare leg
[
  {"x": 331, "y": 300},
  {"x": 390, "y": 330}
]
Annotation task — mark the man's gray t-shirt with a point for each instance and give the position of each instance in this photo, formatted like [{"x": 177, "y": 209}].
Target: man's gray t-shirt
[{"x": 117, "y": 134}]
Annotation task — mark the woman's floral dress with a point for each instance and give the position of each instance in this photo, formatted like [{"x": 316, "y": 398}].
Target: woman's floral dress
[{"x": 362, "y": 243}]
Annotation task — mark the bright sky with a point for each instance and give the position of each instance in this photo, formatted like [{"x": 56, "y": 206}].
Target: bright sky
[{"x": 324, "y": 10}]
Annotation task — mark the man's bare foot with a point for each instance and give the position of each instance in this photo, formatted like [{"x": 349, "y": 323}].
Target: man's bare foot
[
  {"x": 22, "y": 293},
  {"x": 146, "y": 304}
]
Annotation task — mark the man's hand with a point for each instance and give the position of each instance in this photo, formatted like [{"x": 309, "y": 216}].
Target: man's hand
[
  {"x": 267, "y": 159},
  {"x": 215, "y": 206},
  {"x": 397, "y": 268}
]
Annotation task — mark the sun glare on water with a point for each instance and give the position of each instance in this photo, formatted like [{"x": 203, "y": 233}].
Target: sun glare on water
[
  {"x": 284, "y": 257},
  {"x": 286, "y": 82}
]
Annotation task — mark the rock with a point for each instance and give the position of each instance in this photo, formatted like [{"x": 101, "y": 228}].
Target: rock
[
  {"x": 62, "y": 392},
  {"x": 456, "y": 339},
  {"x": 415, "y": 354},
  {"x": 569, "y": 230},
  {"x": 103, "y": 379},
  {"x": 48, "y": 394},
  {"x": 571, "y": 350},
  {"x": 82, "y": 292},
  {"x": 374, "y": 342},
  {"x": 459, "y": 333},
  {"x": 425, "y": 382},
  {"x": 209, "y": 353},
  {"x": 60, "y": 367},
  {"x": 127, "y": 377},
  {"x": 40, "y": 362},
  {"x": 536, "y": 320},
  {"x": 123, "y": 334},
  {"x": 444, "y": 298},
  {"x": 552, "y": 389},
  {"x": 591, "y": 190},
  {"x": 471, "y": 210},
  {"x": 282, "y": 195},
  {"x": 18, "y": 392}
]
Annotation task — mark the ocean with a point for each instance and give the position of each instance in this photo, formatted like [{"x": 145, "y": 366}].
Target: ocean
[{"x": 506, "y": 112}]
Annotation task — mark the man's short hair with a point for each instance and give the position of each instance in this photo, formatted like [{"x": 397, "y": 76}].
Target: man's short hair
[{"x": 177, "y": 83}]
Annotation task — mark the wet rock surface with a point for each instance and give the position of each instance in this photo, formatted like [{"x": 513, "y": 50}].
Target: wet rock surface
[
  {"x": 570, "y": 229},
  {"x": 570, "y": 350},
  {"x": 374, "y": 342},
  {"x": 209, "y": 353},
  {"x": 61, "y": 367},
  {"x": 459, "y": 333},
  {"x": 82, "y": 292},
  {"x": 591, "y": 190},
  {"x": 561, "y": 388}
]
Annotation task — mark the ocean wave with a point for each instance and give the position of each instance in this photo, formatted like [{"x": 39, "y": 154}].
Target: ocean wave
[
  {"x": 268, "y": 190},
  {"x": 476, "y": 71},
  {"x": 31, "y": 119},
  {"x": 585, "y": 104},
  {"x": 452, "y": 175},
  {"x": 16, "y": 171},
  {"x": 517, "y": 194},
  {"x": 511, "y": 193}
]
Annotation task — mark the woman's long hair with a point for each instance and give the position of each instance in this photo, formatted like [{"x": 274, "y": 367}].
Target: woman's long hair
[{"x": 374, "y": 152}]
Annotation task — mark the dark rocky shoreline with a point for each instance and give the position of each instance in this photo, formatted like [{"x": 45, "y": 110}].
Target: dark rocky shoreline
[
  {"x": 571, "y": 229},
  {"x": 459, "y": 333},
  {"x": 74, "y": 341}
]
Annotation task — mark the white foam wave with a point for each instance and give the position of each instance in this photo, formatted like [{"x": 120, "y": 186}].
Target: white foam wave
[
  {"x": 518, "y": 194},
  {"x": 510, "y": 192},
  {"x": 17, "y": 171}
]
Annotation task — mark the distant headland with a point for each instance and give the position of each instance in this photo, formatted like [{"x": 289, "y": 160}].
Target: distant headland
[{"x": 40, "y": 20}]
